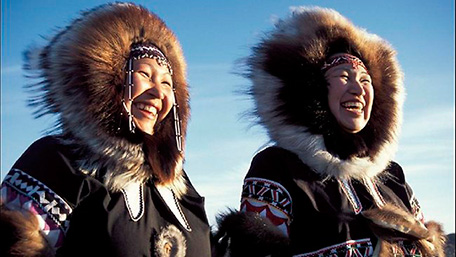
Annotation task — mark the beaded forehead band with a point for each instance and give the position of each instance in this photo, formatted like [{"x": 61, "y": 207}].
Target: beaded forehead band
[
  {"x": 342, "y": 59},
  {"x": 140, "y": 51}
]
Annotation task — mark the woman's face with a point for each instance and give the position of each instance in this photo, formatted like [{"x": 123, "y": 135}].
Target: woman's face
[
  {"x": 152, "y": 94},
  {"x": 350, "y": 96}
]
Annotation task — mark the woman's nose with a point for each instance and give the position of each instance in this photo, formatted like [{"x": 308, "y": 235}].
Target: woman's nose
[
  {"x": 156, "y": 88},
  {"x": 356, "y": 88}
]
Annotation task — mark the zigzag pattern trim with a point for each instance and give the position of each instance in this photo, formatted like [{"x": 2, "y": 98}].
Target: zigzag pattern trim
[
  {"x": 277, "y": 217},
  {"x": 20, "y": 191},
  {"x": 268, "y": 191},
  {"x": 406, "y": 249}
]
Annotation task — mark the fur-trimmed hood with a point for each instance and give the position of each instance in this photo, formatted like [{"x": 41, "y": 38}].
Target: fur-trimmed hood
[
  {"x": 290, "y": 93},
  {"x": 82, "y": 72}
]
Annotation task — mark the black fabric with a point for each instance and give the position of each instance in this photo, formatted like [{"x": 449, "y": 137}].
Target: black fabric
[
  {"x": 100, "y": 224},
  {"x": 49, "y": 162},
  {"x": 321, "y": 214}
]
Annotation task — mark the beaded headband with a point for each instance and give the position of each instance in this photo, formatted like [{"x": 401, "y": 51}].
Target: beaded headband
[
  {"x": 145, "y": 50},
  {"x": 342, "y": 59}
]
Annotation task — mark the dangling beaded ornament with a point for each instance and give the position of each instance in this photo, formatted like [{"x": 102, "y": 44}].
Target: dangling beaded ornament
[
  {"x": 177, "y": 123},
  {"x": 129, "y": 85}
]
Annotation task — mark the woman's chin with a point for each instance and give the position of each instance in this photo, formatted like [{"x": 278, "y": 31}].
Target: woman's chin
[{"x": 149, "y": 130}]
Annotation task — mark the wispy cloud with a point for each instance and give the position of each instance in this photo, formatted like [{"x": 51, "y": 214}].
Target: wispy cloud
[
  {"x": 436, "y": 169},
  {"x": 431, "y": 121},
  {"x": 428, "y": 139},
  {"x": 222, "y": 191},
  {"x": 426, "y": 153}
]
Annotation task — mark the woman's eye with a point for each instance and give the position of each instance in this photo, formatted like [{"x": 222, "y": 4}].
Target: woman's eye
[
  {"x": 344, "y": 76},
  {"x": 144, "y": 74},
  {"x": 167, "y": 83},
  {"x": 365, "y": 80}
]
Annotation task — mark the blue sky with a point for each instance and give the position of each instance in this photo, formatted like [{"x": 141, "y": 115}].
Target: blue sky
[{"x": 215, "y": 35}]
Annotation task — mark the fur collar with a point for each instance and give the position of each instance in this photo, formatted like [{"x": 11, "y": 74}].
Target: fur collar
[{"x": 290, "y": 94}]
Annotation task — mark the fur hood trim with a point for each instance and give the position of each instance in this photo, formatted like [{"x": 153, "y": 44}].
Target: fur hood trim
[
  {"x": 82, "y": 76},
  {"x": 290, "y": 94}
]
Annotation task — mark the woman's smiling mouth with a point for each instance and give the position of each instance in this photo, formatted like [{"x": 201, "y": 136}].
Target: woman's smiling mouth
[
  {"x": 353, "y": 106},
  {"x": 147, "y": 108}
]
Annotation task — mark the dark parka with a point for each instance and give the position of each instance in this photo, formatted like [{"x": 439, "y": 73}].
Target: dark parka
[
  {"x": 90, "y": 190},
  {"x": 330, "y": 192}
]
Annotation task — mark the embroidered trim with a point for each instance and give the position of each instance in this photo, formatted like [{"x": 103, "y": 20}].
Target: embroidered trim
[
  {"x": 21, "y": 191},
  {"x": 361, "y": 247},
  {"x": 406, "y": 249},
  {"x": 172, "y": 202},
  {"x": 277, "y": 217},
  {"x": 350, "y": 193},
  {"x": 373, "y": 191},
  {"x": 268, "y": 191},
  {"x": 176, "y": 201},
  {"x": 136, "y": 211}
]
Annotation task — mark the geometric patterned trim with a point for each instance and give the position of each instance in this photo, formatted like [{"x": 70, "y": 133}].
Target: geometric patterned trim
[
  {"x": 20, "y": 191},
  {"x": 278, "y": 218},
  {"x": 362, "y": 247},
  {"x": 350, "y": 193},
  {"x": 406, "y": 249},
  {"x": 268, "y": 191}
]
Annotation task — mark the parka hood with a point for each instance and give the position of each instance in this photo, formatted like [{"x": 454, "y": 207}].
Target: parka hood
[
  {"x": 290, "y": 93},
  {"x": 82, "y": 72}
]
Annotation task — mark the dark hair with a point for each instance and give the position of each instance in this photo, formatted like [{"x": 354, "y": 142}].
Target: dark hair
[{"x": 342, "y": 45}]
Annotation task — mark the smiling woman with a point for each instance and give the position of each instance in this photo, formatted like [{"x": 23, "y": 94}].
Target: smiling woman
[
  {"x": 329, "y": 185},
  {"x": 112, "y": 182}
]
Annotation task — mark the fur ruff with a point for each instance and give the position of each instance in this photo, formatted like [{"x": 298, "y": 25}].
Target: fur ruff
[
  {"x": 26, "y": 239},
  {"x": 82, "y": 78},
  {"x": 290, "y": 95},
  {"x": 248, "y": 234},
  {"x": 392, "y": 224}
]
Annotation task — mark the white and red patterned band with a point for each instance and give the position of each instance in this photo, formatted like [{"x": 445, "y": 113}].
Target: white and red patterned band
[
  {"x": 148, "y": 50},
  {"x": 268, "y": 198},
  {"x": 343, "y": 59}
]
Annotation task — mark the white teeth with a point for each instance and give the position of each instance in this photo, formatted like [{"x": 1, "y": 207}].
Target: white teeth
[
  {"x": 353, "y": 105},
  {"x": 147, "y": 108}
]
